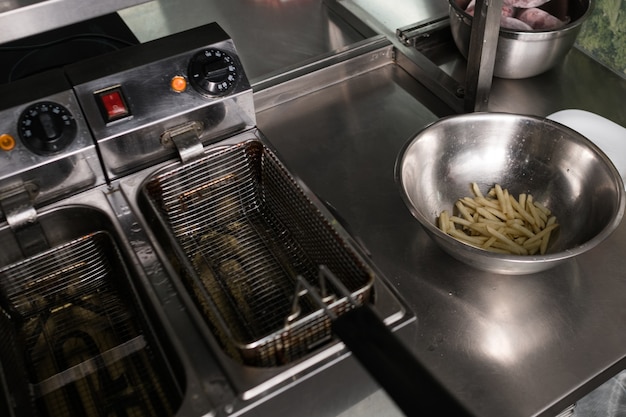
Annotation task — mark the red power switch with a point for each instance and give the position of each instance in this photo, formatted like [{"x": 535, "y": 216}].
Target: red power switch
[{"x": 112, "y": 104}]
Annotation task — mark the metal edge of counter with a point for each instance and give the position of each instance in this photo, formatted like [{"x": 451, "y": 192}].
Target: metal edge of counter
[
  {"x": 39, "y": 16},
  {"x": 276, "y": 88},
  {"x": 420, "y": 66},
  {"x": 338, "y": 66}
]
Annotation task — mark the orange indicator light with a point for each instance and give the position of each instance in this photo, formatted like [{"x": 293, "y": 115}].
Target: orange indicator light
[
  {"x": 7, "y": 142},
  {"x": 178, "y": 84}
]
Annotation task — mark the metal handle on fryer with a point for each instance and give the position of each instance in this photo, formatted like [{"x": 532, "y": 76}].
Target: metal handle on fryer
[
  {"x": 416, "y": 392},
  {"x": 393, "y": 366}
]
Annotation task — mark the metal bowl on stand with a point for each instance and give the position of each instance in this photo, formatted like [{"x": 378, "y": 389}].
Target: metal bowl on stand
[{"x": 525, "y": 53}]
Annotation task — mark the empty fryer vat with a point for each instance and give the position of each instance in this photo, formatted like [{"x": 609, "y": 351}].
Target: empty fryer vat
[{"x": 75, "y": 340}]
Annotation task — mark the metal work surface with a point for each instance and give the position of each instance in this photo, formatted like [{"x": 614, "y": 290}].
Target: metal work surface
[
  {"x": 505, "y": 345},
  {"x": 270, "y": 35},
  {"x": 302, "y": 31},
  {"x": 579, "y": 82}
]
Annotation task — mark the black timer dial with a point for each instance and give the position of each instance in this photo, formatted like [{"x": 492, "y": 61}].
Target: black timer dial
[
  {"x": 213, "y": 72},
  {"x": 46, "y": 128}
]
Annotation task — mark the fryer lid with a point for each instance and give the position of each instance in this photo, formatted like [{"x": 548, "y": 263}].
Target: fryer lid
[{"x": 242, "y": 230}]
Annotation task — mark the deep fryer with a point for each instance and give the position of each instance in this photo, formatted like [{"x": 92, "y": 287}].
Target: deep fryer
[{"x": 208, "y": 233}]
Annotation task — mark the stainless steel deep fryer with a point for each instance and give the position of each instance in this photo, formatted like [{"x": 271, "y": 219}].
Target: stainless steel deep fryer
[
  {"x": 238, "y": 229},
  {"x": 243, "y": 231}
]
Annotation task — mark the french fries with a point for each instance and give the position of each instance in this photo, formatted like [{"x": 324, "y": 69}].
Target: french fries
[{"x": 499, "y": 222}]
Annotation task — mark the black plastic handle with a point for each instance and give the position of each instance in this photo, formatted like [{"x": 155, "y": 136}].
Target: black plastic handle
[{"x": 415, "y": 391}]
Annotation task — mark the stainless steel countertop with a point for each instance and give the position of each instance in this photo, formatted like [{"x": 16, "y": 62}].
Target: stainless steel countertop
[
  {"x": 274, "y": 36},
  {"x": 505, "y": 345},
  {"x": 270, "y": 35}
]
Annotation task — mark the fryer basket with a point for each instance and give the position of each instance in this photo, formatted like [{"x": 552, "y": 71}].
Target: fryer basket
[
  {"x": 73, "y": 338},
  {"x": 242, "y": 229}
]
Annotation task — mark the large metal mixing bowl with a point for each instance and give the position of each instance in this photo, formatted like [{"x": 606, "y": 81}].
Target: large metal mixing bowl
[
  {"x": 523, "y": 54},
  {"x": 561, "y": 168}
]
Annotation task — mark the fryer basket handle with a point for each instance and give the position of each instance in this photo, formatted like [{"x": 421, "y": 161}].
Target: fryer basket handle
[{"x": 393, "y": 366}]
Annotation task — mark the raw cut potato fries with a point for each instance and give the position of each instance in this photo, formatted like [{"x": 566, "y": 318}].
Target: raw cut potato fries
[{"x": 498, "y": 222}]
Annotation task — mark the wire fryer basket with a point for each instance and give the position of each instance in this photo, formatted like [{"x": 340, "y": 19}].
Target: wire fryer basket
[{"x": 243, "y": 229}]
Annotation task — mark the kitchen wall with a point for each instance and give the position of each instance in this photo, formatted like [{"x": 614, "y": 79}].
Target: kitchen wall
[{"x": 603, "y": 35}]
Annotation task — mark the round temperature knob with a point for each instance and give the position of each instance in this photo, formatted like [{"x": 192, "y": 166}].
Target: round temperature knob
[
  {"x": 46, "y": 128},
  {"x": 213, "y": 72}
]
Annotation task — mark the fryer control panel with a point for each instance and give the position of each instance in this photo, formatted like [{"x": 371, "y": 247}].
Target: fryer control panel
[
  {"x": 134, "y": 97},
  {"x": 45, "y": 143},
  {"x": 43, "y": 122}
]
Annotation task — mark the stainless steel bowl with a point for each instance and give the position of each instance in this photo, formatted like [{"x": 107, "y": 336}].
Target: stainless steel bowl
[
  {"x": 561, "y": 169},
  {"x": 523, "y": 54}
]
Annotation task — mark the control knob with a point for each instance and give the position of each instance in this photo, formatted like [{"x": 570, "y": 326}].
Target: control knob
[
  {"x": 213, "y": 72},
  {"x": 46, "y": 128}
]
